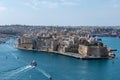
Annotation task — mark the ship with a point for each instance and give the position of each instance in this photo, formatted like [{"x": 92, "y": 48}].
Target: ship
[{"x": 33, "y": 63}]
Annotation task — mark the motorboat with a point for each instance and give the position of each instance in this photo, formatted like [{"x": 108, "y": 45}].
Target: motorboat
[
  {"x": 50, "y": 78},
  {"x": 33, "y": 63}
]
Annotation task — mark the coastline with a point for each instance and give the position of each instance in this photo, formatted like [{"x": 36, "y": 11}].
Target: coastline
[{"x": 74, "y": 55}]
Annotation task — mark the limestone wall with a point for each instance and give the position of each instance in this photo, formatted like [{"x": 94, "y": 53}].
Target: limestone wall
[
  {"x": 26, "y": 46},
  {"x": 95, "y": 51},
  {"x": 82, "y": 50}
]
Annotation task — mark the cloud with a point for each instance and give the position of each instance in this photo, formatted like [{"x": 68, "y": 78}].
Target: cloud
[
  {"x": 115, "y": 3},
  {"x": 49, "y": 4},
  {"x": 36, "y": 4},
  {"x": 116, "y": 6},
  {"x": 2, "y": 9},
  {"x": 32, "y": 3},
  {"x": 69, "y": 3}
]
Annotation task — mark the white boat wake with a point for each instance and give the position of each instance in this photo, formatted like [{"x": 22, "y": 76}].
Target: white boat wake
[
  {"x": 44, "y": 73},
  {"x": 12, "y": 73},
  {"x": 10, "y": 53}
]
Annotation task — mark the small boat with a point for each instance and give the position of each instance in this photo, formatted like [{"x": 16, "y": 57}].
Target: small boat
[
  {"x": 50, "y": 78},
  {"x": 33, "y": 63},
  {"x": 112, "y": 56}
]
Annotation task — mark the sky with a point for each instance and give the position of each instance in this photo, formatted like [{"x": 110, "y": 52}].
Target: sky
[{"x": 60, "y": 12}]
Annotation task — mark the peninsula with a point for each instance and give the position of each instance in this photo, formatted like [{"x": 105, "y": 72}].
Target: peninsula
[{"x": 65, "y": 41}]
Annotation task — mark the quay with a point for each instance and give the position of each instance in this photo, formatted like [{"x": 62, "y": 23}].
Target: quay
[{"x": 74, "y": 55}]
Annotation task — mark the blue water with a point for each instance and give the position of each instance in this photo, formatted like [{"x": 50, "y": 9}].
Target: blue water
[{"x": 15, "y": 65}]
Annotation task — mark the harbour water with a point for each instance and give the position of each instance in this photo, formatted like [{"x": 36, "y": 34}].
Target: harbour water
[{"x": 15, "y": 65}]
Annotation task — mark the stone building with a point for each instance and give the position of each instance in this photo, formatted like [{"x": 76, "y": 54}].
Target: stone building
[
  {"x": 25, "y": 42},
  {"x": 93, "y": 49}
]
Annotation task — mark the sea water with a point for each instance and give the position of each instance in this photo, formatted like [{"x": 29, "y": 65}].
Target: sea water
[{"x": 15, "y": 65}]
